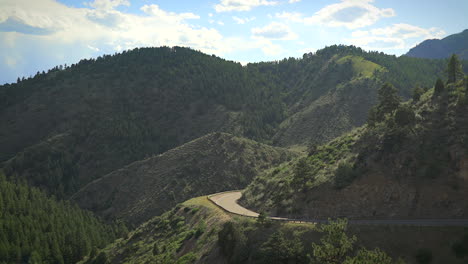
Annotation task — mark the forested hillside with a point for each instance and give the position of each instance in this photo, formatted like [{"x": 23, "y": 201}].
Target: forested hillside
[
  {"x": 409, "y": 161},
  {"x": 67, "y": 127},
  {"x": 37, "y": 229},
  {"x": 72, "y": 125}
]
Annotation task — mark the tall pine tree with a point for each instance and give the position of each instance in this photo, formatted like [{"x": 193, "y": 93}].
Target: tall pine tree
[{"x": 454, "y": 69}]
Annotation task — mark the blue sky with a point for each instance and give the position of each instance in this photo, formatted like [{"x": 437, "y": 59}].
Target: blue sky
[{"x": 40, "y": 34}]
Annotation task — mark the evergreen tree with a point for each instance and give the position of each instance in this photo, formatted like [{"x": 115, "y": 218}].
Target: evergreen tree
[
  {"x": 439, "y": 87},
  {"x": 388, "y": 102},
  {"x": 388, "y": 99},
  {"x": 278, "y": 249},
  {"x": 454, "y": 69},
  {"x": 302, "y": 173},
  {"x": 404, "y": 116},
  {"x": 335, "y": 244}
]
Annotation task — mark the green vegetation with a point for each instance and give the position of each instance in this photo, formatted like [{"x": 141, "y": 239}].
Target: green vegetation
[
  {"x": 439, "y": 87},
  {"x": 454, "y": 69},
  {"x": 424, "y": 256},
  {"x": 213, "y": 163},
  {"x": 287, "y": 186},
  {"x": 361, "y": 66},
  {"x": 460, "y": 247},
  {"x": 184, "y": 234},
  {"x": 172, "y": 238},
  {"x": 81, "y": 122},
  {"x": 146, "y": 122},
  {"x": 118, "y": 109},
  {"x": 241, "y": 242},
  {"x": 37, "y": 229},
  {"x": 405, "y": 148},
  {"x": 344, "y": 175}
]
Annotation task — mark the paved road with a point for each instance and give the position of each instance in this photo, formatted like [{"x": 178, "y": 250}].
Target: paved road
[{"x": 228, "y": 202}]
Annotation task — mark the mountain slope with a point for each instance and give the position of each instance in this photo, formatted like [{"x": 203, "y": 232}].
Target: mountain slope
[
  {"x": 213, "y": 163},
  {"x": 119, "y": 109},
  {"x": 413, "y": 170},
  {"x": 197, "y": 231},
  {"x": 70, "y": 126},
  {"x": 442, "y": 48}
]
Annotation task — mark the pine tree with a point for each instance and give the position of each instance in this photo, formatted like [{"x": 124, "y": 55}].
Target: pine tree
[
  {"x": 439, "y": 87},
  {"x": 389, "y": 99},
  {"x": 454, "y": 69}
]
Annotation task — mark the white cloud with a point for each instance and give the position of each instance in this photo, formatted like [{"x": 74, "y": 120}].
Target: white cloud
[
  {"x": 293, "y": 1},
  {"x": 242, "y": 21},
  {"x": 93, "y": 48},
  {"x": 396, "y": 36},
  {"x": 157, "y": 12},
  {"x": 10, "y": 61},
  {"x": 101, "y": 29},
  {"x": 349, "y": 13},
  {"x": 107, "y": 4},
  {"x": 274, "y": 30},
  {"x": 241, "y": 5},
  {"x": 111, "y": 29},
  {"x": 268, "y": 48},
  {"x": 219, "y": 22},
  {"x": 89, "y": 32},
  {"x": 291, "y": 16}
]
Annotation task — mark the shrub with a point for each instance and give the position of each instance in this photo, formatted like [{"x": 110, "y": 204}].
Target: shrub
[
  {"x": 460, "y": 248},
  {"x": 344, "y": 175},
  {"x": 200, "y": 229},
  {"x": 424, "y": 256}
]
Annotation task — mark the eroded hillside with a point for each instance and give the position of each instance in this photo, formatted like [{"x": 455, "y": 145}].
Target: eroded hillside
[{"x": 213, "y": 163}]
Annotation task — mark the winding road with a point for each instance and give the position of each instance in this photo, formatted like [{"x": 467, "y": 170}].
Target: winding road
[{"x": 228, "y": 202}]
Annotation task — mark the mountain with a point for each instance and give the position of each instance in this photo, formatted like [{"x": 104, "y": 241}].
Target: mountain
[
  {"x": 65, "y": 128},
  {"x": 442, "y": 48},
  {"x": 213, "y": 163},
  {"x": 129, "y": 136},
  {"x": 72, "y": 125},
  {"x": 411, "y": 163}
]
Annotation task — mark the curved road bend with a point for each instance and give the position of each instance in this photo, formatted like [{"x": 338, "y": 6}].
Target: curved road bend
[{"x": 228, "y": 202}]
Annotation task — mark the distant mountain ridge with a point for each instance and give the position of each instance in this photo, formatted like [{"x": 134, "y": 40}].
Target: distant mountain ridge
[{"x": 442, "y": 48}]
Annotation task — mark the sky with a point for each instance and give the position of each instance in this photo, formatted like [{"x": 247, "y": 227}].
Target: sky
[{"x": 36, "y": 35}]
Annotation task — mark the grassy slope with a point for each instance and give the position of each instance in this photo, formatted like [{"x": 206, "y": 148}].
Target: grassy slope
[
  {"x": 415, "y": 174},
  {"x": 213, "y": 163}
]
